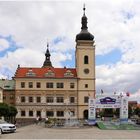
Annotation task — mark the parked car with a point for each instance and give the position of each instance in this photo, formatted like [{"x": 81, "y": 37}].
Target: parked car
[
  {"x": 6, "y": 127},
  {"x": 138, "y": 121}
]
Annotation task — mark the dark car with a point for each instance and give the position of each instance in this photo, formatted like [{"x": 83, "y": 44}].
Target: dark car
[
  {"x": 138, "y": 121},
  {"x": 107, "y": 100}
]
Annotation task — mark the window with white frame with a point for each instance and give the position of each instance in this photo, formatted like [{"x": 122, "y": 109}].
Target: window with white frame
[
  {"x": 59, "y": 99},
  {"x": 30, "y": 99},
  {"x": 30, "y": 113},
  {"x": 23, "y": 113},
  {"x": 71, "y": 85},
  {"x": 22, "y": 84},
  {"x": 49, "y": 85},
  {"x": 60, "y": 85},
  {"x": 30, "y": 84},
  {"x": 22, "y": 99},
  {"x": 72, "y": 99},
  {"x": 49, "y": 99}
]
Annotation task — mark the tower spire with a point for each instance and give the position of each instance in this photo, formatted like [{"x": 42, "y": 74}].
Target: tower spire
[
  {"x": 84, "y": 34},
  {"x": 84, "y": 8},
  {"x": 47, "y": 45},
  {"x": 47, "y": 62},
  {"x": 84, "y": 20}
]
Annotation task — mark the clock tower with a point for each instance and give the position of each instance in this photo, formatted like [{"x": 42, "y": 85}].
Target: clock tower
[{"x": 85, "y": 67}]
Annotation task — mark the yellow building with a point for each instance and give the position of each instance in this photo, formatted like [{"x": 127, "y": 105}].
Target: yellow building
[{"x": 58, "y": 92}]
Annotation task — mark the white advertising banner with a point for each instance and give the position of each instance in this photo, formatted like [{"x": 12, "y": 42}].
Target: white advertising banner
[
  {"x": 92, "y": 113},
  {"x": 124, "y": 108}
]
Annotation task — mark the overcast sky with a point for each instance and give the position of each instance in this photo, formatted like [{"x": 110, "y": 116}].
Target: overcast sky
[{"x": 26, "y": 27}]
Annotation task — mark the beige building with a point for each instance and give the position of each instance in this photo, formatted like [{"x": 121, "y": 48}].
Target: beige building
[
  {"x": 1, "y": 95},
  {"x": 58, "y": 92}
]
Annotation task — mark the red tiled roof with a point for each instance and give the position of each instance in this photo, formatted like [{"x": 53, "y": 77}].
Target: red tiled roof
[
  {"x": 132, "y": 102},
  {"x": 40, "y": 72}
]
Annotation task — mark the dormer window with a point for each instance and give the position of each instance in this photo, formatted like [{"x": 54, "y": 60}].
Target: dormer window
[
  {"x": 68, "y": 73},
  {"x": 30, "y": 73},
  {"x": 49, "y": 73}
]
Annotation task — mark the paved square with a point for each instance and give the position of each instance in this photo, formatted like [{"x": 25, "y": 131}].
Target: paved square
[{"x": 40, "y": 132}]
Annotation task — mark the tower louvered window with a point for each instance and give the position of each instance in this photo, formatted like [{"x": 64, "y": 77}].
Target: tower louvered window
[{"x": 86, "y": 59}]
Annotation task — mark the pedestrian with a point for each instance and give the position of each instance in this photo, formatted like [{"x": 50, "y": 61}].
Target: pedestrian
[
  {"x": 37, "y": 119},
  {"x": 46, "y": 121},
  {"x": 40, "y": 119}
]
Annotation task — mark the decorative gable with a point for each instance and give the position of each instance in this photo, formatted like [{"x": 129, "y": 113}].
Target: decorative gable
[
  {"x": 30, "y": 73},
  {"x": 68, "y": 73},
  {"x": 50, "y": 73}
]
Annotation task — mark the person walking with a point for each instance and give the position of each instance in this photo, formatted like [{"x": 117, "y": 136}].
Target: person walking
[
  {"x": 46, "y": 121},
  {"x": 37, "y": 119}
]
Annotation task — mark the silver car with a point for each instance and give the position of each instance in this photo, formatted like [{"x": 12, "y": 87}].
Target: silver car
[{"x": 6, "y": 127}]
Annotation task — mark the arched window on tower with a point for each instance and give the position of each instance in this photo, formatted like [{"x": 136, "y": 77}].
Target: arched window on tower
[{"x": 85, "y": 59}]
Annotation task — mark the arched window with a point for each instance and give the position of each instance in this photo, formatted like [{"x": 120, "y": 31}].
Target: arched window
[{"x": 85, "y": 59}]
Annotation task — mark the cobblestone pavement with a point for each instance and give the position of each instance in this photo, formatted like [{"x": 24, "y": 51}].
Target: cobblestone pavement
[{"x": 40, "y": 132}]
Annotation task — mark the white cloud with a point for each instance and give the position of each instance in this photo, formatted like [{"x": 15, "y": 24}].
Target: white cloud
[
  {"x": 3, "y": 76},
  {"x": 58, "y": 57},
  {"x": 4, "y": 44},
  {"x": 24, "y": 57},
  {"x": 119, "y": 77},
  {"x": 135, "y": 96}
]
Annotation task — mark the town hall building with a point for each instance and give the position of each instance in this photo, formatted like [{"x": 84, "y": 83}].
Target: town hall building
[{"x": 56, "y": 92}]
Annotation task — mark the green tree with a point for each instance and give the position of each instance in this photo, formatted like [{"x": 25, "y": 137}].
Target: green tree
[
  {"x": 116, "y": 112},
  {"x": 137, "y": 111},
  {"x": 12, "y": 114},
  {"x": 4, "y": 109},
  {"x": 130, "y": 111},
  {"x": 8, "y": 112}
]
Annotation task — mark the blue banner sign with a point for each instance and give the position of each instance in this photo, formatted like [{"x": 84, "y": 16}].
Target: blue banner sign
[{"x": 107, "y": 100}]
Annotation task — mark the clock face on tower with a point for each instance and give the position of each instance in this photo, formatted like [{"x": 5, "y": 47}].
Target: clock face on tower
[{"x": 86, "y": 71}]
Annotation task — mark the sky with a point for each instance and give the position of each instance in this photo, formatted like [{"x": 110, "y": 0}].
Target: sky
[{"x": 27, "y": 26}]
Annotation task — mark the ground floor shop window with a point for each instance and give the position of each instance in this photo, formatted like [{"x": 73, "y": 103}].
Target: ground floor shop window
[
  {"x": 60, "y": 113},
  {"x": 30, "y": 113},
  {"x": 38, "y": 113},
  {"x": 72, "y": 113},
  {"x": 23, "y": 113},
  {"x": 49, "y": 113}
]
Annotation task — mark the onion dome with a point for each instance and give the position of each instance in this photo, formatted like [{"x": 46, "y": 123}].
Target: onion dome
[{"x": 84, "y": 34}]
